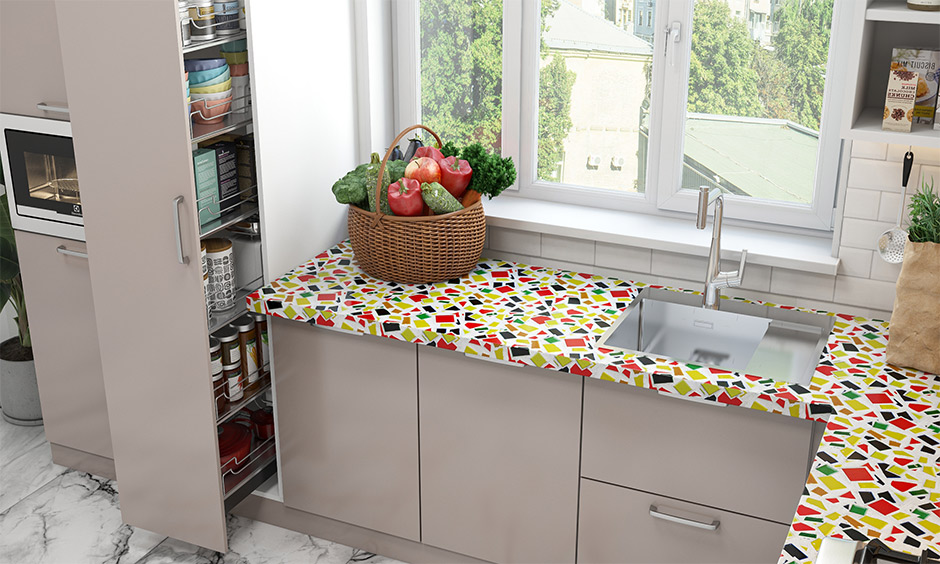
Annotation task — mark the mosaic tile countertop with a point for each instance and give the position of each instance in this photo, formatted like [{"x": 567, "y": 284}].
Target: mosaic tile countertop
[{"x": 875, "y": 473}]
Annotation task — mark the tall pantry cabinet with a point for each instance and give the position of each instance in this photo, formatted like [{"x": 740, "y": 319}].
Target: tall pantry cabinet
[{"x": 133, "y": 145}]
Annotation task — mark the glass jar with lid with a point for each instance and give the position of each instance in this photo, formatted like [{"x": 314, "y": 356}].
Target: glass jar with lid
[
  {"x": 248, "y": 349},
  {"x": 228, "y": 338},
  {"x": 202, "y": 15}
]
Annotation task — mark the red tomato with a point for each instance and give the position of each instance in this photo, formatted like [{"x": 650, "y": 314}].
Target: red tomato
[
  {"x": 424, "y": 169},
  {"x": 455, "y": 175},
  {"x": 432, "y": 152}
]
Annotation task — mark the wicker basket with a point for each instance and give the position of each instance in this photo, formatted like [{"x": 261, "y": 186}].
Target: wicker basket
[{"x": 419, "y": 249}]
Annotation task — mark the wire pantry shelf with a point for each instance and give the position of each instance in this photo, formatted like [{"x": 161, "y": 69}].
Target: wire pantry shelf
[
  {"x": 232, "y": 409},
  {"x": 262, "y": 454}
]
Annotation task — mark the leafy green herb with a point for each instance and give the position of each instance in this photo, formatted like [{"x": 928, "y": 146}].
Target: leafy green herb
[
  {"x": 450, "y": 149},
  {"x": 491, "y": 173},
  {"x": 924, "y": 216}
]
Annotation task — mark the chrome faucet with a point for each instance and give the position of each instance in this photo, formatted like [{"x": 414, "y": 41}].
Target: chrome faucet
[{"x": 715, "y": 279}]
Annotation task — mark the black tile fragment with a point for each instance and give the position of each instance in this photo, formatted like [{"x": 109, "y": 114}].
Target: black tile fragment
[
  {"x": 794, "y": 552},
  {"x": 662, "y": 378}
]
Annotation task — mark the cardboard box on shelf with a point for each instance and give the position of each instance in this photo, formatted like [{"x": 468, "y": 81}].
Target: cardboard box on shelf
[
  {"x": 227, "y": 173},
  {"x": 926, "y": 64},
  {"x": 207, "y": 185}
]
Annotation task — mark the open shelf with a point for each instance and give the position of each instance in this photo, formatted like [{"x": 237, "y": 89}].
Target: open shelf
[
  {"x": 897, "y": 11},
  {"x": 219, "y": 319},
  {"x": 868, "y": 128},
  {"x": 220, "y": 40},
  {"x": 228, "y": 124},
  {"x": 260, "y": 465},
  {"x": 228, "y": 219}
]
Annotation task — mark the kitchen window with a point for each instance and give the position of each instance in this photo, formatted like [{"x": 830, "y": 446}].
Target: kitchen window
[{"x": 633, "y": 116}]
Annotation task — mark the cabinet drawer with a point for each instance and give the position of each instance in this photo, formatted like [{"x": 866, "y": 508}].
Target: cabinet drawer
[
  {"x": 734, "y": 458},
  {"x": 617, "y": 525}
]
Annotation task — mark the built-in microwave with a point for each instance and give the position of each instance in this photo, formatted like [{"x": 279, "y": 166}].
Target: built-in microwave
[{"x": 41, "y": 177}]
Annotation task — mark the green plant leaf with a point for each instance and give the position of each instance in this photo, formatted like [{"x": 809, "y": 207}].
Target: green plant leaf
[
  {"x": 924, "y": 226},
  {"x": 9, "y": 263}
]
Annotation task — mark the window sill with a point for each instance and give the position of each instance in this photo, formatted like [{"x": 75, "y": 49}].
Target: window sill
[{"x": 769, "y": 248}]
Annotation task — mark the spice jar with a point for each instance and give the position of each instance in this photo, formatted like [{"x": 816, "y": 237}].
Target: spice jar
[
  {"x": 261, "y": 330},
  {"x": 202, "y": 15},
  {"x": 234, "y": 381},
  {"x": 228, "y": 338},
  {"x": 226, "y": 17},
  {"x": 215, "y": 368},
  {"x": 248, "y": 347},
  {"x": 183, "y": 7}
]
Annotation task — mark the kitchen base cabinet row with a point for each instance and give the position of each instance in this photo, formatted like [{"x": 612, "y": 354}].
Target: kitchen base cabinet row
[{"x": 398, "y": 447}]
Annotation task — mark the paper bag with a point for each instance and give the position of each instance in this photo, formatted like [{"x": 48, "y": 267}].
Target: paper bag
[{"x": 914, "y": 332}]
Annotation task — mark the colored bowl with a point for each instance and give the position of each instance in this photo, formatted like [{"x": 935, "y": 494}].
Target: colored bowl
[
  {"x": 213, "y": 81},
  {"x": 214, "y": 89},
  {"x": 239, "y": 70},
  {"x": 238, "y": 58},
  {"x": 202, "y": 64},
  {"x": 196, "y": 77},
  {"x": 234, "y": 446},
  {"x": 214, "y": 97},
  {"x": 208, "y": 112},
  {"x": 234, "y": 46}
]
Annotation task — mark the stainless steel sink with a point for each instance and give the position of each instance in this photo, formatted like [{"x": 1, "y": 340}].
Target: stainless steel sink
[{"x": 770, "y": 342}]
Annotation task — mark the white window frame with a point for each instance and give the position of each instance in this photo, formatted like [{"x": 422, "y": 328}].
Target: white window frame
[{"x": 666, "y": 132}]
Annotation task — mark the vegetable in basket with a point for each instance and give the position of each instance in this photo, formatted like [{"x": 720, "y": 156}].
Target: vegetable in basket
[
  {"x": 404, "y": 197},
  {"x": 431, "y": 152},
  {"x": 372, "y": 178},
  {"x": 491, "y": 173},
  {"x": 351, "y": 188},
  {"x": 439, "y": 199},
  {"x": 455, "y": 175},
  {"x": 423, "y": 169}
]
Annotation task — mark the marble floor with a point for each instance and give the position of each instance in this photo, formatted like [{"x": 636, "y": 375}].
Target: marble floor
[{"x": 50, "y": 514}]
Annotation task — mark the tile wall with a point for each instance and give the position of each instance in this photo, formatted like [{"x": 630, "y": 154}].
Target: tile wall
[{"x": 863, "y": 286}]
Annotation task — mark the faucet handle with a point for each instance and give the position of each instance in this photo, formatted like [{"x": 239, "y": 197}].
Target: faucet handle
[
  {"x": 740, "y": 271},
  {"x": 733, "y": 278}
]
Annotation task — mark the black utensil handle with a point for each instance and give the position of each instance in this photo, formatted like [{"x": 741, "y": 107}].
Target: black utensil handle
[{"x": 908, "y": 164}]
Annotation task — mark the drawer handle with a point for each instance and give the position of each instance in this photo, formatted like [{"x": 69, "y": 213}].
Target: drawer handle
[
  {"x": 179, "y": 230},
  {"x": 63, "y": 251},
  {"x": 657, "y": 514},
  {"x": 47, "y": 107}
]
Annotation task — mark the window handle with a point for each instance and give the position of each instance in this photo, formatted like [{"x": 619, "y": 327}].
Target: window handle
[{"x": 673, "y": 35}]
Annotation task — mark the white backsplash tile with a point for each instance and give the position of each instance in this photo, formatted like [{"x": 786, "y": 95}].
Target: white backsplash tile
[
  {"x": 863, "y": 233},
  {"x": 927, "y": 173},
  {"x": 890, "y": 203},
  {"x": 869, "y": 150},
  {"x": 515, "y": 241},
  {"x": 802, "y": 284},
  {"x": 855, "y": 262},
  {"x": 580, "y": 251},
  {"x": 922, "y": 155},
  {"x": 676, "y": 265},
  {"x": 877, "y": 175},
  {"x": 862, "y": 204},
  {"x": 622, "y": 257},
  {"x": 875, "y": 294},
  {"x": 881, "y": 270}
]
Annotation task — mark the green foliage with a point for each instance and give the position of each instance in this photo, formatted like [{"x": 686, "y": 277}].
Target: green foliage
[
  {"x": 11, "y": 280},
  {"x": 721, "y": 79},
  {"x": 924, "y": 216},
  {"x": 491, "y": 173},
  {"x": 555, "y": 83},
  {"x": 351, "y": 188}
]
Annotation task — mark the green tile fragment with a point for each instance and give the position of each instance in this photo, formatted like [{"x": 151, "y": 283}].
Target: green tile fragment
[
  {"x": 921, "y": 491},
  {"x": 827, "y": 470},
  {"x": 814, "y": 519},
  {"x": 858, "y": 509},
  {"x": 870, "y": 336},
  {"x": 921, "y": 513},
  {"x": 876, "y": 424},
  {"x": 851, "y": 395},
  {"x": 423, "y": 315}
]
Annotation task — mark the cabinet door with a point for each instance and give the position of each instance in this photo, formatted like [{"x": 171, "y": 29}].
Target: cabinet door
[
  {"x": 620, "y": 525},
  {"x": 734, "y": 458},
  {"x": 499, "y": 458},
  {"x": 65, "y": 343},
  {"x": 134, "y": 157},
  {"x": 348, "y": 426},
  {"x": 30, "y": 58}
]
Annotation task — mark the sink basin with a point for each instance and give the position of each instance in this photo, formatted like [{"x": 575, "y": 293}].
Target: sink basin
[{"x": 765, "y": 341}]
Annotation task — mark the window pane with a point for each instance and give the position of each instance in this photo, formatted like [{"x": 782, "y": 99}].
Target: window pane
[
  {"x": 462, "y": 69},
  {"x": 594, "y": 82},
  {"x": 756, "y": 81}
]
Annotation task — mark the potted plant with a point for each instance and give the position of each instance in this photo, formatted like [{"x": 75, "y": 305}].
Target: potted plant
[
  {"x": 914, "y": 334},
  {"x": 19, "y": 392}
]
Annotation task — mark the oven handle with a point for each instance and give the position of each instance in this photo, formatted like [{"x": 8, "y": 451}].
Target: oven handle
[
  {"x": 46, "y": 107},
  {"x": 179, "y": 230},
  {"x": 63, "y": 251}
]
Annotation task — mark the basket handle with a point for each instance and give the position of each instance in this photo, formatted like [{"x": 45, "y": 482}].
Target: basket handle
[{"x": 378, "y": 184}]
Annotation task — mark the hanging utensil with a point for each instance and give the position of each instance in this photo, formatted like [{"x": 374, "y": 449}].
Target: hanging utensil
[{"x": 891, "y": 243}]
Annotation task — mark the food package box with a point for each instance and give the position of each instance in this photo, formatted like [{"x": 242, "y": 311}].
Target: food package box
[
  {"x": 899, "y": 100},
  {"x": 227, "y": 168},
  {"x": 926, "y": 63},
  {"x": 207, "y": 185},
  {"x": 247, "y": 175}
]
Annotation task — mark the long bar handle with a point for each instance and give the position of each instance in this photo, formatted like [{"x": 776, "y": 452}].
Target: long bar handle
[
  {"x": 63, "y": 251},
  {"x": 46, "y": 107},
  {"x": 179, "y": 231},
  {"x": 656, "y": 513}
]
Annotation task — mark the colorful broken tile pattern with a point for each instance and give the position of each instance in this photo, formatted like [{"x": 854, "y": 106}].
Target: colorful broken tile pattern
[{"x": 876, "y": 470}]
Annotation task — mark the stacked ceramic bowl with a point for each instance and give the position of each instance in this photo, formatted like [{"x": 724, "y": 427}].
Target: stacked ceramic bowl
[
  {"x": 210, "y": 85},
  {"x": 236, "y": 54}
]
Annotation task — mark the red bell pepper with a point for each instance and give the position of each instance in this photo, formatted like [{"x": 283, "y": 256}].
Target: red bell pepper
[
  {"x": 404, "y": 197},
  {"x": 432, "y": 152},
  {"x": 455, "y": 175}
]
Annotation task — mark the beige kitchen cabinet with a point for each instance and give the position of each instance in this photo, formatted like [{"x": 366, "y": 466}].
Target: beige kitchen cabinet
[
  {"x": 62, "y": 324},
  {"x": 731, "y": 458},
  {"x": 348, "y": 422},
  {"x": 499, "y": 458},
  {"x": 626, "y": 526},
  {"x": 30, "y": 58}
]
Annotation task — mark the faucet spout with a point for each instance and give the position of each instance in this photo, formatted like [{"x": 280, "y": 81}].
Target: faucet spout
[{"x": 715, "y": 279}]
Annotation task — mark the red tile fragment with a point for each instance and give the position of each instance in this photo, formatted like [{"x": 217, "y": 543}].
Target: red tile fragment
[
  {"x": 879, "y": 398},
  {"x": 902, "y": 487},
  {"x": 802, "y": 510},
  {"x": 883, "y": 506},
  {"x": 901, "y": 423},
  {"x": 857, "y": 474}
]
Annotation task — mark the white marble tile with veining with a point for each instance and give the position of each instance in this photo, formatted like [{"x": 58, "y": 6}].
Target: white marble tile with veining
[
  {"x": 16, "y": 440},
  {"x": 75, "y": 519},
  {"x": 254, "y": 542},
  {"x": 26, "y": 473}
]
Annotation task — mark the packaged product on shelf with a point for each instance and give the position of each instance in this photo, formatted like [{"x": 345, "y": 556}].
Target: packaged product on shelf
[
  {"x": 261, "y": 326},
  {"x": 207, "y": 185},
  {"x": 183, "y": 8},
  {"x": 925, "y": 64},
  {"x": 222, "y": 279},
  {"x": 205, "y": 277},
  {"x": 227, "y": 170},
  {"x": 228, "y": 339},
  {"x": 226, "y": 18},
  {"x": 899, "y": 101},
  {"x": 248, "y": 348},
  {"x": 235, "y": 381},
  {"x": 245, "y": 153},
  {"x": 202, "y": 15}
]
